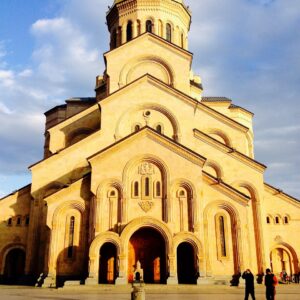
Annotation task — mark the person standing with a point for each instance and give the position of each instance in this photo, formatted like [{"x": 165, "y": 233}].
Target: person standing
[
  {"x": 270, "y": 283},
  {"x": 249, "y": 279}
]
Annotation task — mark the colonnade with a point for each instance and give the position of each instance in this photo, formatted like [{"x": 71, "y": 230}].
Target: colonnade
[{"x": 131, "y": 29}]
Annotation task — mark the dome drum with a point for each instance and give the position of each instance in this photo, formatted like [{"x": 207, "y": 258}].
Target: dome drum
[{"x": 168, "y": 19}]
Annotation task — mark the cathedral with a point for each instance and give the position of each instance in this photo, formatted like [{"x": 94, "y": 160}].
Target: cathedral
[{"x": 149, "y": 174}]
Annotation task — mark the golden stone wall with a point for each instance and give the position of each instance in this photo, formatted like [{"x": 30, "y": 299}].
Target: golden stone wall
[{"x": 149, "y": 156}]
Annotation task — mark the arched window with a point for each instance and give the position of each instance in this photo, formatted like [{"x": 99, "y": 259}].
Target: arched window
[
  {"x": 137, "y": 128},
  {"x": 149, "y": 26},
  {"x": 129, "y": 31},
  {"x": 71, "y": 237},
  {"x": 222, "y": 235},
  {"x": 277, "y": 220},
  {"x": 159, "y": 128},
  {"x": 112, "y": 193},
  {"x": 158, "y": 189},
  {"x": 27, "y": 220},
  {"x": 286, "y": 220},
  {"x": 18, "y": 221},
  {"x": 136, "y": 189},
  {"x": 9, "y": 222},
  {"x": 182, "y": 40},
  {"x": 268, "y": 220},
  {"x": 147, "y": 187},
  {"x": 114, "y": 39},
  {"x": 168, "y": 32}
]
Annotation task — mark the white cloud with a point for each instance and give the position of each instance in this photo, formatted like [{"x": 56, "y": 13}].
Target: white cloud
[{"x": 4, "y": 109}]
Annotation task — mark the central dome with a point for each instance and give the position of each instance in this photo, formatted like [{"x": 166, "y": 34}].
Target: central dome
[
  {"x": 118, "y": 1},
  {"x": 169, "y": 19}
]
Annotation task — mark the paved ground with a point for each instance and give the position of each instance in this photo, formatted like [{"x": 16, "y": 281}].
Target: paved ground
[{"x": 286, "y": 292}]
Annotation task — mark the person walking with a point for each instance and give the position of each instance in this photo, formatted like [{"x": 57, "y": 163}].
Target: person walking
[
  {"x": 270, "y": 283},
  {"x": 249, "y": 279}
]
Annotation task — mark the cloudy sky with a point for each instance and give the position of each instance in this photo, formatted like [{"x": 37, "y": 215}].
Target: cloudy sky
[{"x": 247, "y": 50}]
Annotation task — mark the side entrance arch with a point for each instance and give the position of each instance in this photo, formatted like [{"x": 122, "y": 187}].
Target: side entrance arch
[
  {"x": 186, "y": 264},
  {"x": 108, "y": 263},
  {"x": 148, "y": 247},
  {"x": 14, "y": 268}
]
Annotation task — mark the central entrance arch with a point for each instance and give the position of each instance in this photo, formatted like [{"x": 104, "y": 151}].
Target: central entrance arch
[{"x": 148, "y": 247}]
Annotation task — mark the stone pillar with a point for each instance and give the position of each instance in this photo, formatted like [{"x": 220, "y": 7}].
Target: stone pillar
[
  {"x": 134, "y": 29},
  {"x": 172, "y": 280},
  {"x": 93, "y": 271},
  {"x": 155, "y": 27},
  {"x": 32, "y": 249},
  {"x": 124, "y": 34},
  {"x": 122, "y": 279},
  {"x": 143, "y": 26}
]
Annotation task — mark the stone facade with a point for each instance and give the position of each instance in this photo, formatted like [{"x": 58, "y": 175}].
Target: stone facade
[{"x": 148, "y": 172}]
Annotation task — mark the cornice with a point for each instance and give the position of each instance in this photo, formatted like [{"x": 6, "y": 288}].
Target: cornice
[
  {"x": 283, "y": 196},
  {"x": 229, "y": 151},
  {"x": 225, "y": 188},
  {"x": 158, "y": 138},
  {"x": 157, "y": 38}
]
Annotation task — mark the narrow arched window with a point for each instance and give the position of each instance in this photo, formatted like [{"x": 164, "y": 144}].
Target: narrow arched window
[
  {"x": 286, "y": 220},
  {"x": 18, "y": 221},
  {"x": 27, "y": 220},
  {"x": 168, "y": 32},
  {"x": 114, "y": 39},
  {"x": 182, "y": 40},
  {"x": 129, "y": 31},
  {"x": 136, "y": 189},
  {"x": 158, "y": 189},
  {"x": 71, "y": 237},
  {"x": 268, "y": 220},
  {"x": 9, "y": 222},
  {"x": 147, "y": 187},
  {"x": 137, "y": 128},
  {"x": 222, "y": 235},
  {"x": 277, "y": 220},
  {"x": 149, "y": 26},
  {"x": 159, "y": 128}
]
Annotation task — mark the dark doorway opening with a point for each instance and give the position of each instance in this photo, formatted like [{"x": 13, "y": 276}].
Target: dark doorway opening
[
  {"x": 108, "y": 264},
  {"x": 186, "y": 267},
  {"x": 148, "y": 247},
  {"x": 14, "y": 267}
]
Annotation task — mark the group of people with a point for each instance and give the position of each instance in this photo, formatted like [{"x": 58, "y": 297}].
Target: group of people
[
  {"x": 288, "y": 279},
  {"x": 270, "y": 283}
]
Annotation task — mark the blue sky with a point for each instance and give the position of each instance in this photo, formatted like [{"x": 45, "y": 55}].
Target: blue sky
[{"x": 248, "y": 50}]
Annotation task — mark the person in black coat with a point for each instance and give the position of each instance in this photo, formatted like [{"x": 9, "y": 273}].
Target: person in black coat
[
  {"x": 249, "y": 279},
  {"x": 270, "y": 283}
]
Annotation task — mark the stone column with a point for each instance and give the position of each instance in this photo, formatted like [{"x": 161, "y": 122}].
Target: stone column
[
  {"x": 124, "y": 34},
  {"x": 122, "y": 278},
  {"x": 172, "y": 280},
  {"x": 134, "y": 29},
  {"x": 93, "y": 277}
]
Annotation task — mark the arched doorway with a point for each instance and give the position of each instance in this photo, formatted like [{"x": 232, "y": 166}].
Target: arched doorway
[
  {"x": 148, "y": 247},
  {"x": 281, "y": 261},
  {"x": 186, "y": 264},
  {"x": 108, "y": 264},
  {"x": 14, "y": 266}
]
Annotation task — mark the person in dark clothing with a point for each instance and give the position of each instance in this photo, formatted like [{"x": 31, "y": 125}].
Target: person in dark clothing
[
  {"x": 270, "y": 283},
  {"x": 249, "y": 279}
]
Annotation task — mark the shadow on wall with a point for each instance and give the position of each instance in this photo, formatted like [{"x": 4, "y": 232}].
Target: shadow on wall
[{"x": 70, "y": 268}]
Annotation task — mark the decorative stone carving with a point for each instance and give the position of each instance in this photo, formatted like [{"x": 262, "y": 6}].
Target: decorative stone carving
[
  {"x": 146, "y": 168},
  {"x": 146, "y": 205}
]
